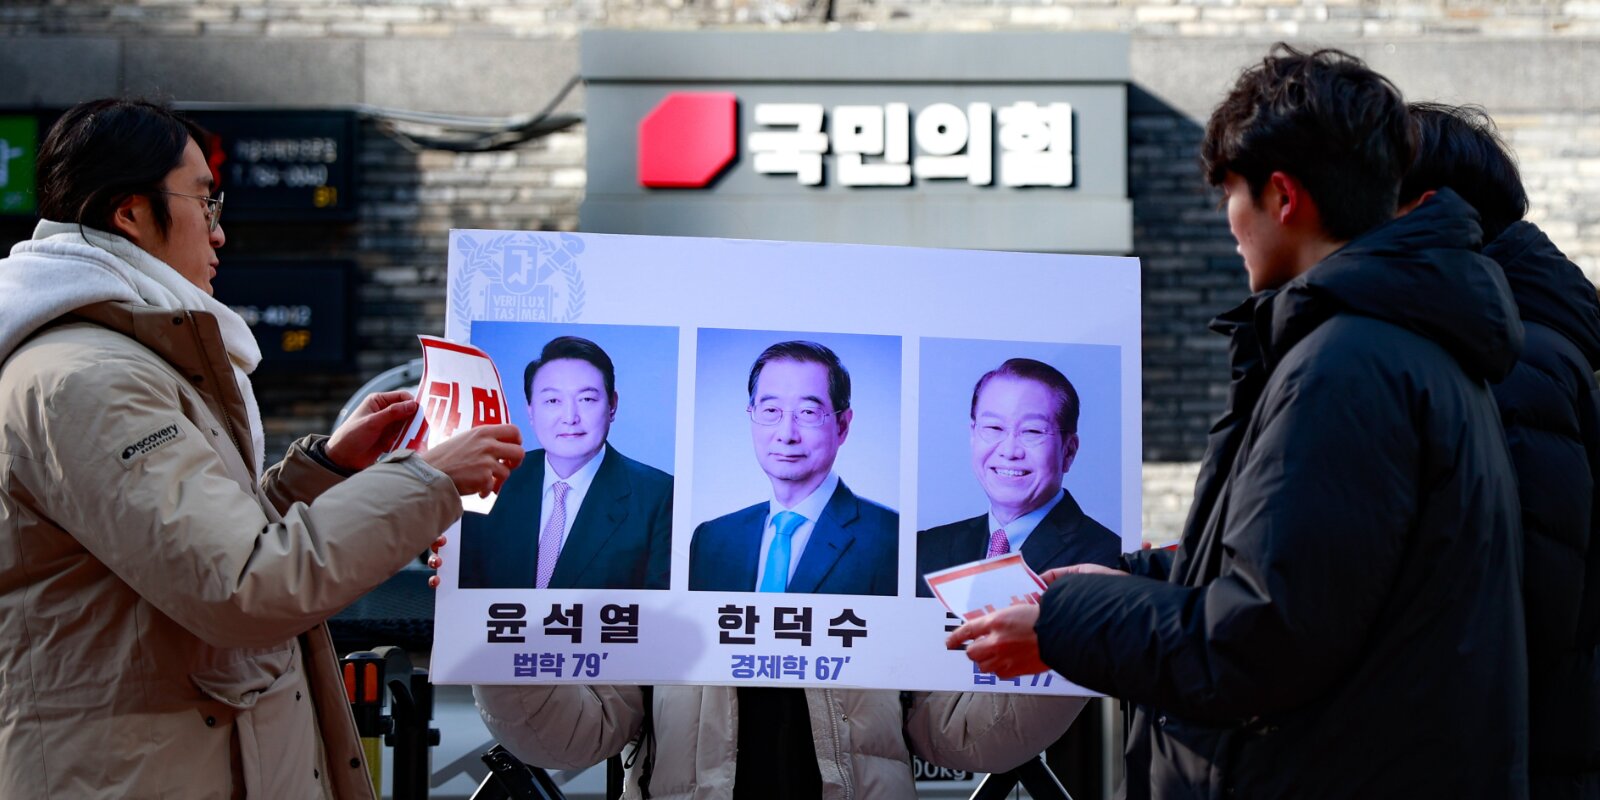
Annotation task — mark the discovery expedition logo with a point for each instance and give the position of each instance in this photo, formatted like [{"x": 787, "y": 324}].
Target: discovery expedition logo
[{"x": 150, "y": 444}]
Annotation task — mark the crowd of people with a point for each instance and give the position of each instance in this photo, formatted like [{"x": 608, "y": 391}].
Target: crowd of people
[{"x": 1385, "y": 587}]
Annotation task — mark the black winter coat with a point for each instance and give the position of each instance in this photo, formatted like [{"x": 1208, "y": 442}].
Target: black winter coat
[
  {"x": 1552, "y": 419},
  {"x": 1343, "y": 618}
]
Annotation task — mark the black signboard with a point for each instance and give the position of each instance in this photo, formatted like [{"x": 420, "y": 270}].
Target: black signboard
[
  {"x": 300, "y": 311},
  {"x": 289, "y": 165}
]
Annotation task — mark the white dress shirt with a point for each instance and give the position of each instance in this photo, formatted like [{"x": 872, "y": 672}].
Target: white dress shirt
[
  {"x": 1017, "y": 530},
  {"x": 811, "y": 508},
  {"x": 577, "y": 488}
]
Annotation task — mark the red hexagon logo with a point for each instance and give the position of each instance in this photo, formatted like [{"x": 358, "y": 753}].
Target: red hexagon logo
[{"x": 688, "y": 139}]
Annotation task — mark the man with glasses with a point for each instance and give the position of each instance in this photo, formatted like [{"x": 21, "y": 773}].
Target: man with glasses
[
  {"x": 1024, "y": 434},
  {"x": 162, "y": 590},
  {"x": 814, "y": 535}
]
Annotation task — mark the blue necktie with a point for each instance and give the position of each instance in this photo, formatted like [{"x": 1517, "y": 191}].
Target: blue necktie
[{"x": 777, "y": 577}]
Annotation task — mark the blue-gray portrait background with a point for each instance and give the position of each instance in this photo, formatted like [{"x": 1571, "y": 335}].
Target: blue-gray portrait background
[
  {"x": 726, "y": 475},
  {"x": 646, "y": 358},
  {"x": 947, "y": 490}
]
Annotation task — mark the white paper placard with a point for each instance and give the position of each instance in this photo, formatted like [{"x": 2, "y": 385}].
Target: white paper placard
[
  {"x": 460, "y": 390},
  {"x": 669, "y": 567},
  {"x": 970, "y": 591}
]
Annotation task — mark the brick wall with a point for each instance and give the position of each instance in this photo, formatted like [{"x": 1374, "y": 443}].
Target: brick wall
[
  {"x": 1335, "y": 19},
  {"x": 410, "y": 201}
]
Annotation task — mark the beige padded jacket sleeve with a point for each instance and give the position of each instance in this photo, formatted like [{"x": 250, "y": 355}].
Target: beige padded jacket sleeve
[
  {"x": 168, "y": 519},
  {"x": 299, "y": 477},
  {"x": 986, "y": 732},
  {"x": 562, "y": 727}
]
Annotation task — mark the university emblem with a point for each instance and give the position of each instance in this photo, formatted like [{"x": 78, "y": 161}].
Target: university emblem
[{"x": 521, "y": 277}]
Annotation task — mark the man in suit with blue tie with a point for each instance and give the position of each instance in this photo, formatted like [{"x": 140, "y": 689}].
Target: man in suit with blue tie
[
  {"x": 1024, "y": 434},
  {"x": 576, "y": 514},
  {"x": 813, "y": 535}
]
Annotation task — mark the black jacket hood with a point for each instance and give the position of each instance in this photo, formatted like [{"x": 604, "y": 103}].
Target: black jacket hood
[
  {"x": 1421, "y": 272},
  {"x": 1548, "y": 288}
]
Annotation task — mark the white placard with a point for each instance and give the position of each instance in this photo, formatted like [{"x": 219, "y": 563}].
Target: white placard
[
  {"x": 983, "y": 587},
  {"x": 657, "y": 583}
]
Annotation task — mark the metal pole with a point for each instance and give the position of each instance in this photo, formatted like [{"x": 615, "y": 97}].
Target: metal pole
[{"x": 1034, "y": 775}]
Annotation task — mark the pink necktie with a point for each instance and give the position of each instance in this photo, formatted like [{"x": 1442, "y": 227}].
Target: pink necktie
[
  {"x": 999, "y": 545},
  {"x": 550, "y": 537}
]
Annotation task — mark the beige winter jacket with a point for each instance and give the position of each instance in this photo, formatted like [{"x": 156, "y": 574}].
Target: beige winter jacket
[
  {"x": 161, "y": 608},
  {"x": 860, "y": 736}
]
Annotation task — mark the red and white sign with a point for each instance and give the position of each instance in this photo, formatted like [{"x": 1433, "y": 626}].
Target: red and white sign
[
  {"x": 983, "y": 587},
  {"x": 460, "y": 390},
  {"x": 689, "y": 138}
]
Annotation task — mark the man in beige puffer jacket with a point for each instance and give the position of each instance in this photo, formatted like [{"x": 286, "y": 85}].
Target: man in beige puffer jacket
[{"x": 161, "y": 595}]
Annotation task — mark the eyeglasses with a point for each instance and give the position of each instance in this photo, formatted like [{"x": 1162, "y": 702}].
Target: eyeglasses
[
  {"x": 804, "y": 417},
  {"x": 213, "y": 207},
  {"x": 1029, "y": 437}
]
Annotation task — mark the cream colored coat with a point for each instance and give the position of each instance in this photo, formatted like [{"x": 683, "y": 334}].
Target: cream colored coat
[
  {"x": 160, "y": 607},
  {"x": 861, "y": 736}
]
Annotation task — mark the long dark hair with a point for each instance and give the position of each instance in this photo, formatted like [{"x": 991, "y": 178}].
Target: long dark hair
[{"x": 102, "y": 151}]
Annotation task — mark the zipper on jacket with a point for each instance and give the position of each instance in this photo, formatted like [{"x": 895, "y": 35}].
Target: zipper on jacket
[
  {"x": 838, "y": 754},
  {"x": 227, "y": 419}
]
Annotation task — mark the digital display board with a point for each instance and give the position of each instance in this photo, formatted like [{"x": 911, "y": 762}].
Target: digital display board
[
  {"x": 19, "y": 142},
  {"x": 300, "y": 311},
  {"x": 284, "y": 165}
]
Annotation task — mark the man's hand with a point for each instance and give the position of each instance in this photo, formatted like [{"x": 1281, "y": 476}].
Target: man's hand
[
  {"x": 1053, "y": 575},
  {"x": 1003, "y": 643},
  {"x": 478, "y": 460},
  {"x": 369, "y": 432}
]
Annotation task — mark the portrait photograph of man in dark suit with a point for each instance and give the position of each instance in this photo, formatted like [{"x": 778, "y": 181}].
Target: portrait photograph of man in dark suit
[
  {"x": 1023, "y": 430},
  {"x": 577, "y": 514},
  {"x": 812, "y": 534}
]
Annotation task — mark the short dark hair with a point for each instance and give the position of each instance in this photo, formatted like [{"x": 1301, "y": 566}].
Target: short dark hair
[
  {"x": 1027, "y": 369},
  {"x": 812, "y": 353},
  {"x": 1324, "y": 117},
  {"x": 1459, "y": 147},
  {"x": 101, "y": 152},
  {"x": 577, "y": 348}
]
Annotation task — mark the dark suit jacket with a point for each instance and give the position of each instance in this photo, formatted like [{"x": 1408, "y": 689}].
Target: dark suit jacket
[
  {"x": 621, "y": 538},
  {"x": 854, "y": 549},
  {"x": 1065, "y": 536}
]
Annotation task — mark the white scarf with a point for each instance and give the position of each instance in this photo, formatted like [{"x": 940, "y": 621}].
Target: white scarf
[{"x": 67, "y": 266}]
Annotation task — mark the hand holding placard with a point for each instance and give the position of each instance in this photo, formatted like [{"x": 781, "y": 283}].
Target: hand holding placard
[
  {"x": 982, "y": 587},
  {"x": 367, "y": 434},
  {"x": 478, "y": 460}
]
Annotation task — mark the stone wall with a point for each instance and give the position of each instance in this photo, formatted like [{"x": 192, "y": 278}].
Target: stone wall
[{"x": 1300, "y": 19}]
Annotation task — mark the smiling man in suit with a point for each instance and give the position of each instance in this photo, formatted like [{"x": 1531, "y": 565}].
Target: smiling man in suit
[
  {"x": 577, "y": 514},
  {"x": 813, "y": 535},
  {"x": 1024, "y": 434}
]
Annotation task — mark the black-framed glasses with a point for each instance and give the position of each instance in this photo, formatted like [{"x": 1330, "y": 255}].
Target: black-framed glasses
[
  {"x": 213, "y": 207},
  {"x": 804, "y": 417},
  {"x": 1029, "y": 437}
]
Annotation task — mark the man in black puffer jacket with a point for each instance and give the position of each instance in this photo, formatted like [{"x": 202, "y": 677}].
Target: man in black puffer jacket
[
  {"x": 1552, "y": 419},
  {"x": 1344, "y": 618}
]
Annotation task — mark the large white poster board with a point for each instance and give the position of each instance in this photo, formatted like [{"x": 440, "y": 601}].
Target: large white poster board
[{"x": 667, "y": 535}]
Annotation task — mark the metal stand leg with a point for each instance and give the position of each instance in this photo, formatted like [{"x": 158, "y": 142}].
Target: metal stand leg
[{"x": 1034, "y": 775}]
